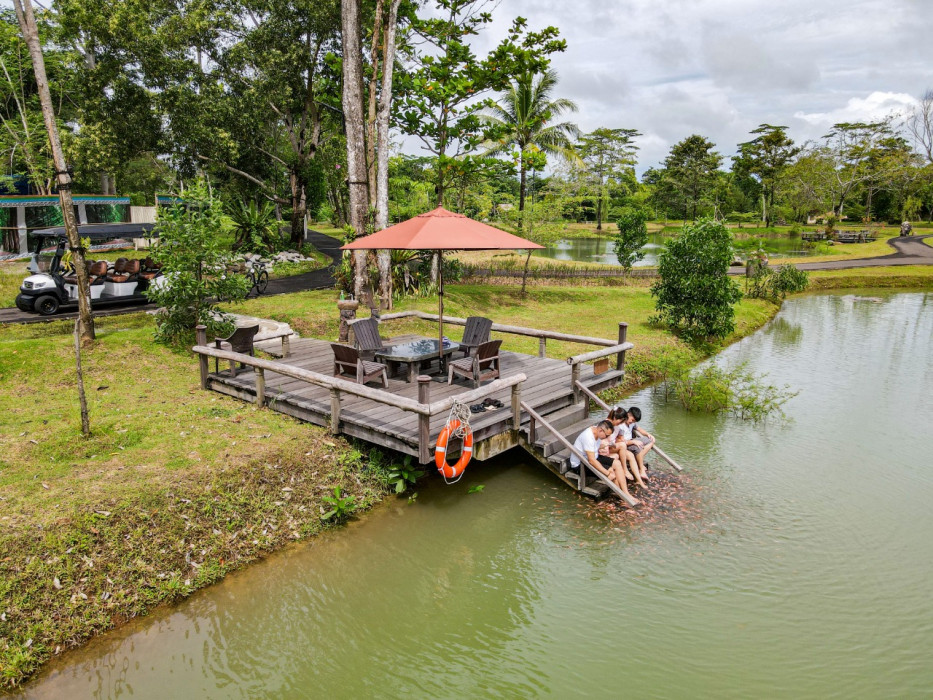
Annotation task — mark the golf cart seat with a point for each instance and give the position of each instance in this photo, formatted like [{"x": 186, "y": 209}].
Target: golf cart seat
[
  {"x": 119, "y": 271},
  {"x": 150, "y": 269},
  {"x": 132, "y": 268},
  {"x": 96, "y": 271}
]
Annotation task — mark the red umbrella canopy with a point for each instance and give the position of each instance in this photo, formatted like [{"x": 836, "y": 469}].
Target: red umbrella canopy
[{"x": 441, "y": 230}]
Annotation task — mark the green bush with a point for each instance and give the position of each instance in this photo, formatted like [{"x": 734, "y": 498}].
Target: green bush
[
  {"x": 775, "y": 285},
  {"x": 738, "y": 391},
  {"x": 694, "y": 295},
  {"x": 255, "y": 227},
  {"x": 193, "y": 266},
  {"x": 632, "y": 238}
]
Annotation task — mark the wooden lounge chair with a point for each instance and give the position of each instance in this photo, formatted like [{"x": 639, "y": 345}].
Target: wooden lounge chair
[
  {"x": 241, "y": 340},
  {"x": 481, "y": 366},
  {"x": 475, "y": 333},
  {"x": 366, "y": 337},
  {"x": 347, "y": 363}
]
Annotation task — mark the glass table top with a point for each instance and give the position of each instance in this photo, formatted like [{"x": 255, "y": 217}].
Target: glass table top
[{"x": 416, "y": 350}]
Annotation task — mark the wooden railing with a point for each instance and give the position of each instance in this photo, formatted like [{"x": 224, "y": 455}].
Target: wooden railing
[
  {"x": 591, "y": 396},
  {"x": 423, "y": 407},
  {"x": 584, "y": 460}
]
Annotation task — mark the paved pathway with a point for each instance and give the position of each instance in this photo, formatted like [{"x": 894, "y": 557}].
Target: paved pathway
[{"x": 911, "y": 250}]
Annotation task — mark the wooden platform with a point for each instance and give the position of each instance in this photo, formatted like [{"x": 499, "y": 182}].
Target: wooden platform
[{"x": 548, "y": 389}]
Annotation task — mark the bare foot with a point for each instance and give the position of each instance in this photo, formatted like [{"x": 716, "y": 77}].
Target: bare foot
[
  {"x": 644, "y": 475},
  {"x": 629, "y": 476},
  {"x": 642, "y": 484},
  {"x": 635, "y": 501}
]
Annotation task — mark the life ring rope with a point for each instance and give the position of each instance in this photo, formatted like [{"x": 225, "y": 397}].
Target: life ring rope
[{"x": 458, "y": 426}]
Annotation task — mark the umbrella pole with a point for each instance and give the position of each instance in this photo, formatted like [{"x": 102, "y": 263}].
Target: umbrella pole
[{"x": 440, "y": 319}]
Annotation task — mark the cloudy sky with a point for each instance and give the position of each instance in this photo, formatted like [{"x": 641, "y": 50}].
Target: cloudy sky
[{"x": 671, "y": 68}]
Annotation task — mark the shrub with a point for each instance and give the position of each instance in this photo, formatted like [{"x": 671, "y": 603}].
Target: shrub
[
  {"x": 775, "y": 285},
  {"x": 193, "y": 262},
  {"x": 738, "y": 391},
  {"x": 632, "y": 237},
  {"x": 694, "y": 295},
  {"x": 256, "y": 228}
]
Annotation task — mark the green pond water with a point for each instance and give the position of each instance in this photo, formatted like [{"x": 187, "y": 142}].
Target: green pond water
[
  {"x": 601, "y": 250},
  {"x": 793, "y": 560}
]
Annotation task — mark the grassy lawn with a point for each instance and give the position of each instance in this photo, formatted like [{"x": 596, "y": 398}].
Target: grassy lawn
[
  {"x": 12, "y": 275},
  {"x": 894, "y": 276},
  {"x": 175, "y": 486}
]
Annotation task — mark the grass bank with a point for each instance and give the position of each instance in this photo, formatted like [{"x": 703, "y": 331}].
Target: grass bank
[{"x": 174, "y": 488}]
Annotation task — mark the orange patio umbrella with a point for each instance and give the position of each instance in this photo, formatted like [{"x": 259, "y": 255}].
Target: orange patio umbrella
[{"x": 441, "y": 230}]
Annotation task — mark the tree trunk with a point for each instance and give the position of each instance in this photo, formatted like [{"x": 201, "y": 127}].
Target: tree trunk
[
  {"x": 599, "y": 210},
  {"x": 356, "y": 142},
  {"x": 525, "y": 273},
  {"x": 82, "y": 399},
  {"x": 299, "y": 210},
  {"x": 384, "y": 257},
  {"x": 372, "y": 101},
  {"x": 521, "y": 202},
  {"x": 27, "y": 23}
]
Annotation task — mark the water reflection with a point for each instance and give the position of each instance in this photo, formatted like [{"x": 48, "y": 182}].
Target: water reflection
[{"x": 602, "y": 250}]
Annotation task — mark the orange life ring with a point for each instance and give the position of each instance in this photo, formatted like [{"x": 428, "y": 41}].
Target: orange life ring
[{"x": 440, "y": 451}]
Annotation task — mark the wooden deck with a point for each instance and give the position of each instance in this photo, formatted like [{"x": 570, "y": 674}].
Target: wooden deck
[{"x": 548, "y": 388}]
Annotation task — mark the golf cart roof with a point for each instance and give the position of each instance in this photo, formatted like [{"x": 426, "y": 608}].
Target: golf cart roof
[{"x": 101, "y": 232}]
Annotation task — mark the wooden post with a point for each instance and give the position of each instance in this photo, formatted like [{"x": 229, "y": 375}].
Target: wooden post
[
  {"x": 532, "y": 430},
  {"x": 201, "y": 335},
  {"x": 335, "y": 411},
  {"x": 623, "y": 334},
  {"x": 542, "y": 347},
  {"x": 260, "y": 386},
  {"x": 286, "y": 346},
  {"x": 424, "y": 422},
  {"x": 574, "y": 378},
  {"x": 516, "y": 406}
]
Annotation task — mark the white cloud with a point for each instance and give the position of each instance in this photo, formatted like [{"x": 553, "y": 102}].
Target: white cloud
[
  {"x": 875, "y": 106},
  {"x": 719, "y": 68}
]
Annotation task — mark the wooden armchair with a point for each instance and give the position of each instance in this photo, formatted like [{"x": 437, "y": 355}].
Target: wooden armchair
[
  {"x": 481, "y": 366},
  {"x": 366, "y": 337},
  {"x": 347, "y": 363},
  {"x": 241, "y": 340},
  {"x": 475, "y": 333}
]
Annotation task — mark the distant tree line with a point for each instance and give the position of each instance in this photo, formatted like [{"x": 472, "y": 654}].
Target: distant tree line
[{"x": 295, "y": 103}]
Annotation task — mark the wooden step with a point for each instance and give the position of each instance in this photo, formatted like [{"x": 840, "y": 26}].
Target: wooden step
[
  {"x": 560, "y": 460},
  {"x": 596, "y": 489},
  {"x": 550, "y": 444},
  {"x": 565, "y": 416}
]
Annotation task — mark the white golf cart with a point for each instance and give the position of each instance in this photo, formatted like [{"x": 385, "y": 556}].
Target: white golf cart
[{"x": 54, "y": 287}]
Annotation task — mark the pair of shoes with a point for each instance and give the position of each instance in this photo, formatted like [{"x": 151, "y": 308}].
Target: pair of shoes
[
  {"x": 492, "y": 403},
  {"x": 477, "y": 408}
]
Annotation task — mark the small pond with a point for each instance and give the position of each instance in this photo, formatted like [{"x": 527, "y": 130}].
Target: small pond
[
  {"x": 794, "y": 560},
  {"x": 601, "y": 250}
]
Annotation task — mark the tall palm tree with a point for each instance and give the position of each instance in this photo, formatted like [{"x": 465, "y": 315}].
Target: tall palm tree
[{"x": 523, "y": 118}]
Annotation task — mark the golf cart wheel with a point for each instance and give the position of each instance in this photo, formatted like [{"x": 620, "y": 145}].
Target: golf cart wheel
[
  {"x": 262, "y": 281},
  {"x": 46, "y": 305}
]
